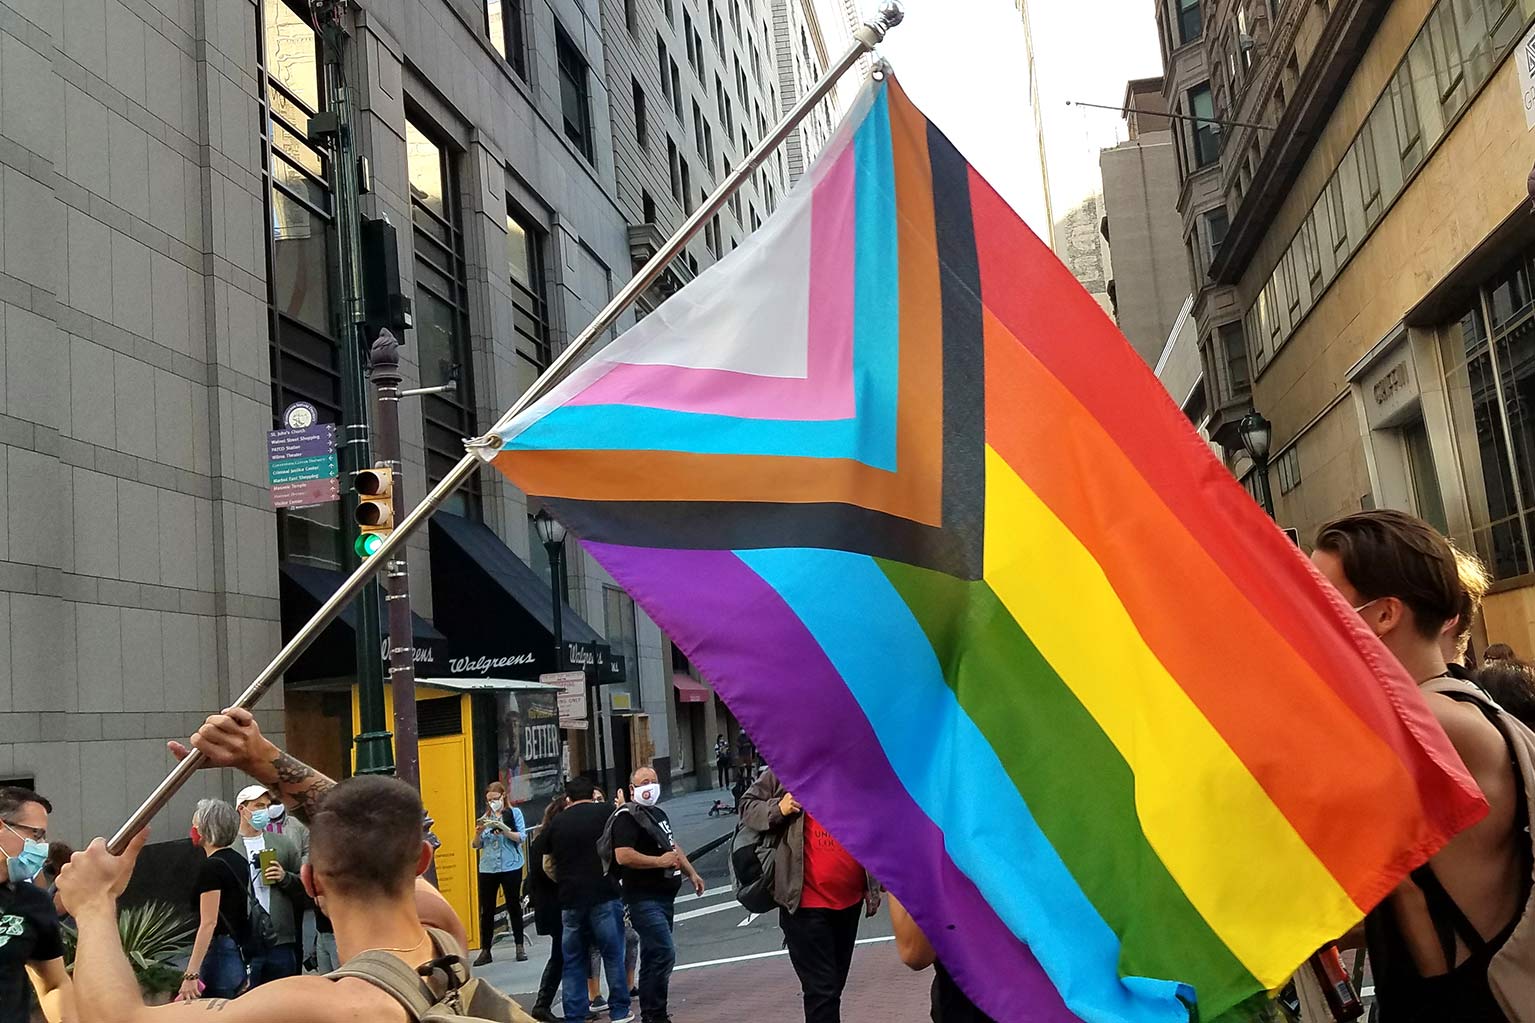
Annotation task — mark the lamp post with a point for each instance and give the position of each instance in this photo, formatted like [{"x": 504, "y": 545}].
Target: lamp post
[
  {"x": 552, "y": 532},
  {"x": 1257, "y": 434}
]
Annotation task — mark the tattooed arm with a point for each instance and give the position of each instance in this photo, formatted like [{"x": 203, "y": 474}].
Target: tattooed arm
[{"x": 233, "y": 739}]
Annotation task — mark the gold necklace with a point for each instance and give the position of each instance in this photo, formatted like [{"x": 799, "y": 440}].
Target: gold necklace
[{"x": 412, "y": 948}]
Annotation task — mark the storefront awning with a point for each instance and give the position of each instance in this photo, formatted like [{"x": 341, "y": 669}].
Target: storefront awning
[
  {"x": 487, "y": 685},
  {"x": 689, "y": 689},
  {"x": 333, "y": 655},
  {"x": 496, "y": 611}
]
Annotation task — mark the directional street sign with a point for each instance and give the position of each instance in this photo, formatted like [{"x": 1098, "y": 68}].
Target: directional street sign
[{"x": 301, "y": 465}]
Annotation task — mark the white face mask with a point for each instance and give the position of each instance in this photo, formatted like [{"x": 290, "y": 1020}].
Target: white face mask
[
  {"x": 496, "y": 805},
  {"x": 647, "y": 795}
]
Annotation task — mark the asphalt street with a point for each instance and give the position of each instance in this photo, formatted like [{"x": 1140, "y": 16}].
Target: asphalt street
[{"x": 730, "y": 962}]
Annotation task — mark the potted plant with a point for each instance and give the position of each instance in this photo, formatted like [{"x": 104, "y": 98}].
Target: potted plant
[{"x": 157, "y": 938}]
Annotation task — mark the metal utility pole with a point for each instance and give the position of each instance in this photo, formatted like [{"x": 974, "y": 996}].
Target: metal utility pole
[
  {"x": 1039, "y": 119},
  {"x": 374, "y": 755},
  {"x": 384, "y": 368},
  {"x": 864, "y": 40}
]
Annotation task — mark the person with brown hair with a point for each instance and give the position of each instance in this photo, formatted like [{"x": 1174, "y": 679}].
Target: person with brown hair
[
  {"x": 545, "y": 895},
  {"x": 1501, "y": 652},
  {"x": 366, "y": 854},
  {"x": 1402, "y": 578},
  {"x": 1512, "y": 685},
  {"x": 1455, "y": 640},
  {"x": 499, "y": 836}
]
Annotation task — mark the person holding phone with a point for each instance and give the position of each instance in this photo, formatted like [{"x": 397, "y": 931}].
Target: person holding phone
[{"x": 499, "y": 836}]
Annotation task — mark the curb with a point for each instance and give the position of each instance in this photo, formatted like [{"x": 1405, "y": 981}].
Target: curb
[{"x": 711, "y": 845}]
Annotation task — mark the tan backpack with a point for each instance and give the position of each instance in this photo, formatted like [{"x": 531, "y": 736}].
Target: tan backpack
[
  {"x": 466, "y": 1000},
  {"x": 1511, "y": 973}
]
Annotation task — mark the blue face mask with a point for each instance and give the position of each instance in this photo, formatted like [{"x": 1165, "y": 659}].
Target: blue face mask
[
  {"x": 25, "y": 865},
  {"x": 260, "y": 819}
]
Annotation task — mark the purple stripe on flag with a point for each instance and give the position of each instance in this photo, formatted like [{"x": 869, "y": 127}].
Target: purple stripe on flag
[{"x": 786, "y": 693}]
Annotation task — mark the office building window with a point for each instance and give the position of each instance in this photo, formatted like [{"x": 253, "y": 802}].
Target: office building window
[
  {"x": 1287, "y": 468},
  {"x": 662, "y": 63},
  {"x": 442, "y": 309},
  {"x": 1489, "y": 355},
  {"x": 695, "y": 59},
  {"x": 1409, "y": 127},
  {"x": 641, "y": 122},
  {"x": 525, "y": 244},
  {"x": 1234, "y": 349},
  {"x": 575, "y": 97},
  {"x": 504, "y": 24},
  {"x": 1190, "y": 23},
  {"x": 620, "y": 629},
  {"x": 647, "y": 207},
  {"x": 1205, "y": 132},
  {"x": 686, "y": 181},
  {"x": 1217, "y": 223},
  {"x": 1311, "y": 250},
  {"x": 304, "y": 356},
  {"x": 631, "y": 14},
  {"x": 673, "y": 163},
  {"x": 1336, "y": 217}
]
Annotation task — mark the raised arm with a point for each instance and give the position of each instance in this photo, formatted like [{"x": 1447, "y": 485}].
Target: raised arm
[{"x": 233, "y": 739}]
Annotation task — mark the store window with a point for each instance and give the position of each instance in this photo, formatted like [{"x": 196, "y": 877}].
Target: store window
[
  {"x": 1489, "y": 355},
  {"x": 304, "y": 356},
  {"x": 442, "y": 316}
]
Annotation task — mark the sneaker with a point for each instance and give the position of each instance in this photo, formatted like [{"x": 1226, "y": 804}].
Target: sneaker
[
  {"x": 543, "y": 1014},
  {"x": 599, "y": 1004},
  {"x": 625, "y": 1019},
  {"x": 522, "y": 954},
  {"x": 484, "y": 957}
]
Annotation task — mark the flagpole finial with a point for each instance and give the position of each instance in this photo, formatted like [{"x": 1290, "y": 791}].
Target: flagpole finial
[{"x": 890, "y": 14}]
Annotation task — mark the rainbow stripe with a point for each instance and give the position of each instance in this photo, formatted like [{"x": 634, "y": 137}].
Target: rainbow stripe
[{"x": 891, "y": 480}]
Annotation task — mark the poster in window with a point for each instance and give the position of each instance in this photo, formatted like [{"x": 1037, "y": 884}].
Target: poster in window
[{"x": 528, "y": 746}]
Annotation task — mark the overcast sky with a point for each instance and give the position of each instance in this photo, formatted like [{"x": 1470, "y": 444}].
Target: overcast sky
[{"x": 963, "y": 62}]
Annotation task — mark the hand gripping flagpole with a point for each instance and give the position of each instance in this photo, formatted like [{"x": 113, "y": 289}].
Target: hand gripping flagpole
[{"x": 864, "y": 40}]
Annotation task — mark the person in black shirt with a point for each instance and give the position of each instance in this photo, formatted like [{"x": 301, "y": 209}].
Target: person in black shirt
[
  {"x": 650, "y": 865},
  {"x": 949, "y": 1003},
  {"x": 589, "y": 907},
  {"x": 216, "y": 967},
  {"x": 31, "y": 945}
]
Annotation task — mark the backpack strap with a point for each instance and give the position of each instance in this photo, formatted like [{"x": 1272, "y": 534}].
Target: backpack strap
[{"x": 390, "y": 975}]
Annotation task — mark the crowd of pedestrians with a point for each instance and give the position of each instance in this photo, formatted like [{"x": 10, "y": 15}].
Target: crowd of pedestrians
[{"x": 603, "y": 876}]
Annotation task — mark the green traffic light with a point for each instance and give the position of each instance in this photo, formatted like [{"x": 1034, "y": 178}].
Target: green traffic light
[{"x": 368, "y": 544}]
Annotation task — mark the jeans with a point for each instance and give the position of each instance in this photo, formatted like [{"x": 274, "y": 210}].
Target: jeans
[
  {"x": 223, "y": 968},
  {"x": 325, "y": 952},
  {"x": 593, "y": 925},
  {"x": 278, "y": 962},
  {"x": 821, "y": 948},
  {"x": 658, "y": 953},
  {"x": 510, "y": 883},
  {"x": 554, "y": 969},
  {"x": 631, "y": 946}
]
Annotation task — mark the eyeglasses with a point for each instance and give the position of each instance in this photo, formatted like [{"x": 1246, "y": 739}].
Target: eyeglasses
[{"x": 36, "y": 834}]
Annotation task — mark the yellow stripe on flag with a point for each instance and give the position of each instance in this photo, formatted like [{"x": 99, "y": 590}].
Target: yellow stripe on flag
[{"x": 1234, "y": 854}]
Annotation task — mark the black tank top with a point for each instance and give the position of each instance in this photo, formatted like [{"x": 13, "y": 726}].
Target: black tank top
[{"x": 1463, "y": 994}]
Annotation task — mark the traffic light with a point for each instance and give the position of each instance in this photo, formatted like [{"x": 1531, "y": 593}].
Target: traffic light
[{"x": 375, "y": 509}]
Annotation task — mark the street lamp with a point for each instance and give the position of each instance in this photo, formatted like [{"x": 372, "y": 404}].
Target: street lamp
[
  {"x": 552, "y": 532},
  {"x": 1257, "y": 434}
]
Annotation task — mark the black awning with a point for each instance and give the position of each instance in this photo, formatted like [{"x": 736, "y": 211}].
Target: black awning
[
  {"x": 333, "y": 655},
  {"x": 497, "y": 612}
]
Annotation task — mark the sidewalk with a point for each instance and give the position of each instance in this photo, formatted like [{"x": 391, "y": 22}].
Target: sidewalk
[{"x": 696, "y": 832}]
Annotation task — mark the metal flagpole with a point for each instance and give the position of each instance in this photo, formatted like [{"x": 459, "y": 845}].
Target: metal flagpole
[{"x": 864, "y": 40}]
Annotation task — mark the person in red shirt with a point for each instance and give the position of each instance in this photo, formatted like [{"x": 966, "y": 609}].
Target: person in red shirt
[{"x": 820, "y": 890}]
